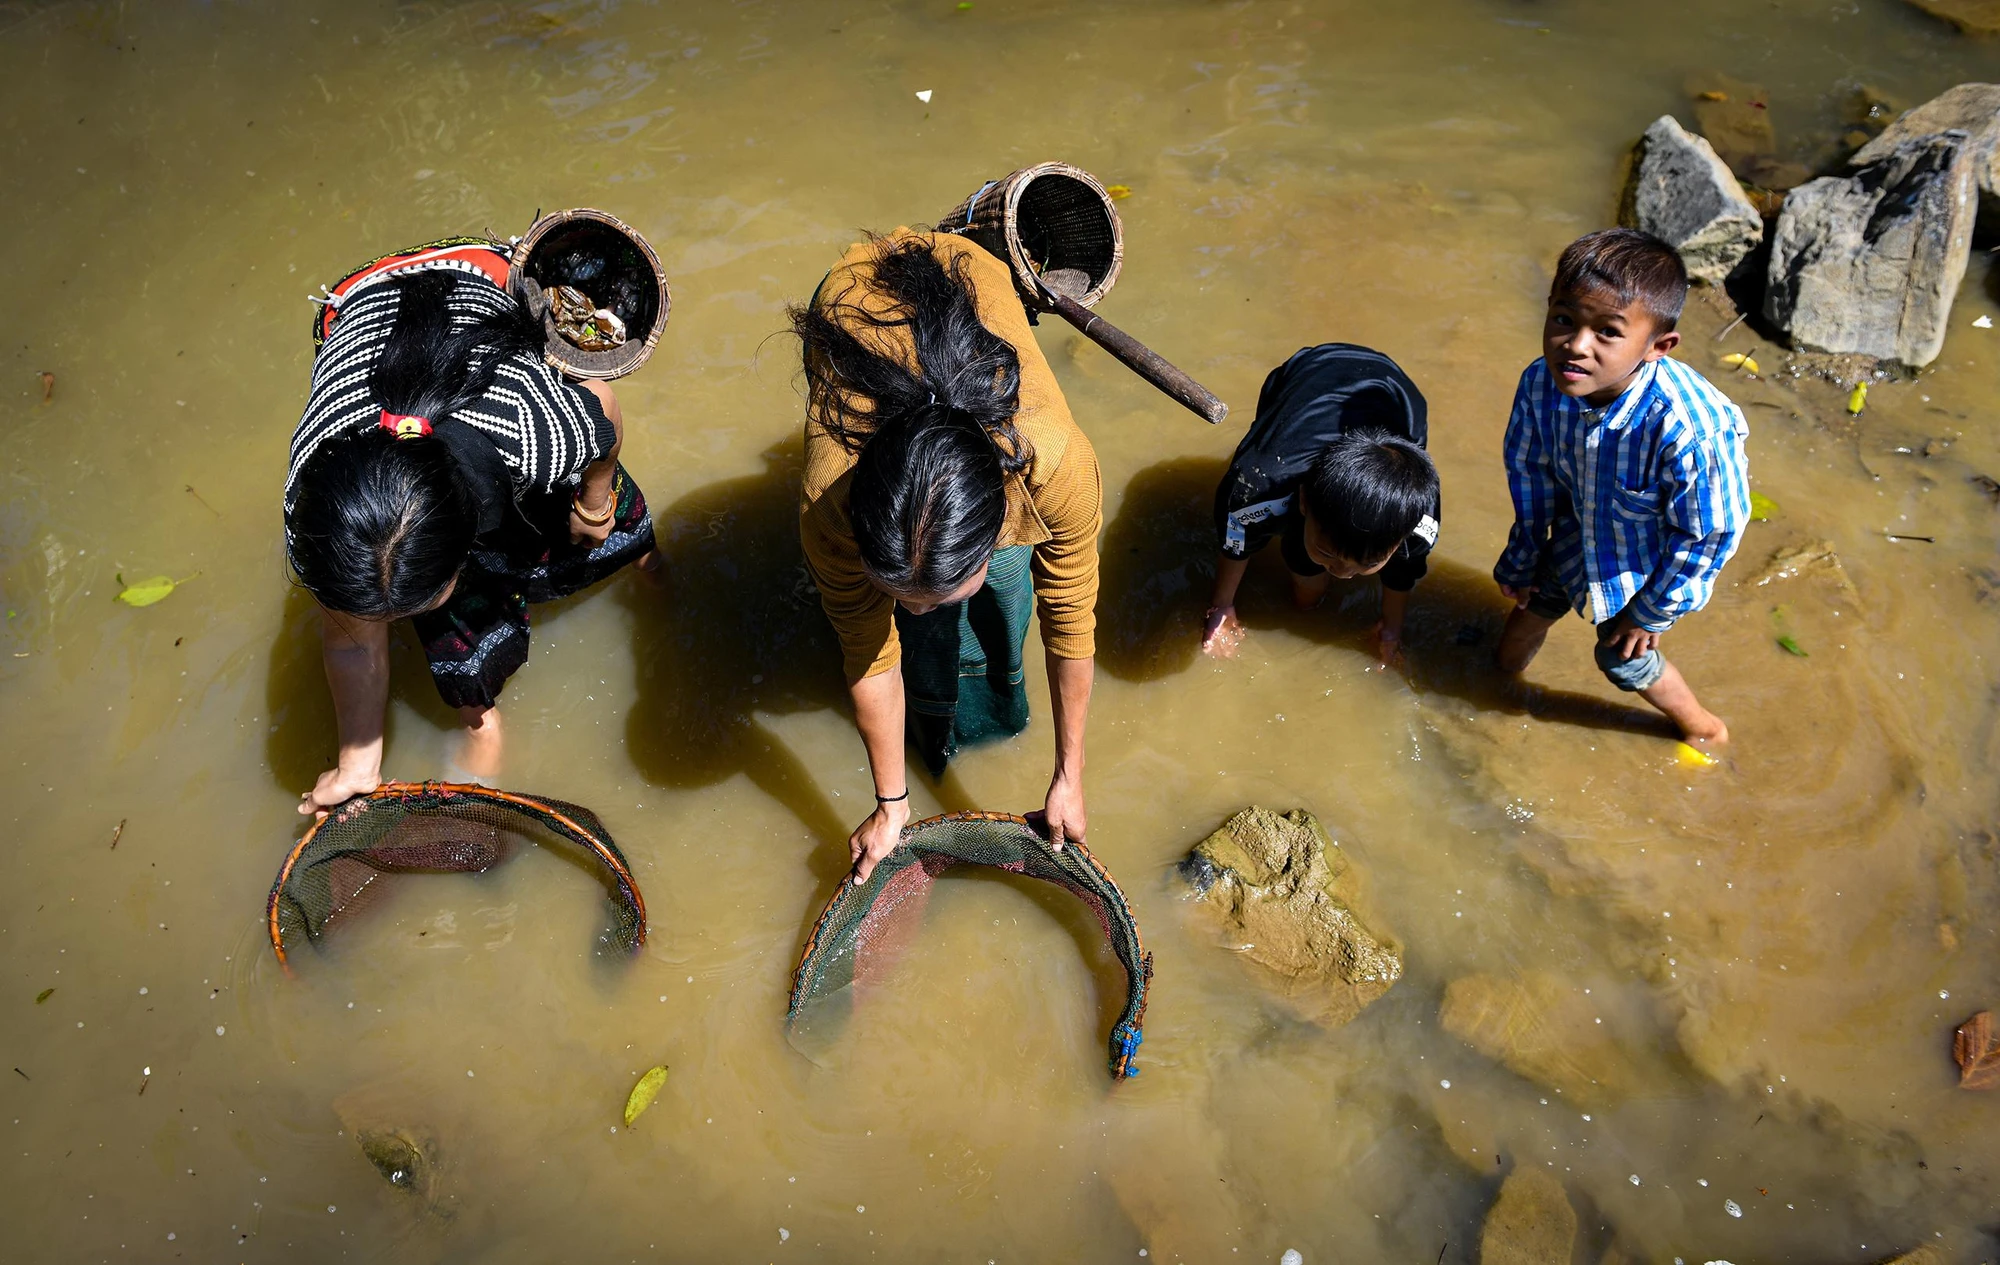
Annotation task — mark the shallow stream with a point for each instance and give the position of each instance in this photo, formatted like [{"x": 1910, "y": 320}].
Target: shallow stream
[{"x": 1776, "y": 950}]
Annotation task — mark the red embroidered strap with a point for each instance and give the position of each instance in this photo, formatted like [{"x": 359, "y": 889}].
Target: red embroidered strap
[{"x": 404, "y": 425}]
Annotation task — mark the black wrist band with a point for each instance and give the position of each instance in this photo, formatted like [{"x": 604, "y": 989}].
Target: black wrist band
[{"x": 893, "y": 799}]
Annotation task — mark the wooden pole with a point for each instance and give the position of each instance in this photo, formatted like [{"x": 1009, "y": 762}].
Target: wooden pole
[{"x": 1137, "y": 357}]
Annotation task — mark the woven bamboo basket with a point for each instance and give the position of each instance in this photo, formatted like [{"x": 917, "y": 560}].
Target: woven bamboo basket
[
  {"x": 1050, "y": 222},
  {"x": 609, "y": 261}
]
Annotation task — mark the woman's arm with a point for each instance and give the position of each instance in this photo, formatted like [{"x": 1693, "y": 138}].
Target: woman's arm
[
  {"x": 1069, "y": 698},
  {"x": 878, "y": 714},
  {"x": 356, "y": 654},
  {"x": 596, "y": 494}
]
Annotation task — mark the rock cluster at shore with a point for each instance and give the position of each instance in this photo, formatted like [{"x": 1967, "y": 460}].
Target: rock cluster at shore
[{"x": 1866, "y": 261}]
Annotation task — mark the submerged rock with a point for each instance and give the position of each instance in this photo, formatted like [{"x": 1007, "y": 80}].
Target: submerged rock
[
  {"x": 1925, "y": 1255},
  {"x": 1735, "y": 117},
  {"x": 1286, "y": 894},
  {"x": 1974, "y": 17},
  {"x": 1870, "y": 263},
  {"x": 1972, "y": 108},
  {"x": 400, "y": 1158},
  {"x": 1530, "y": 1224},
  {"x": 1686, "y": 196},
  {"x": 1542, "y": 1027}
]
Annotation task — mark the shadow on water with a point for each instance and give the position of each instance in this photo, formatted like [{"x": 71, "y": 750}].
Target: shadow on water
[
  {"x": 1159, "y": 563},
  {"x": 735, "y": 630}
]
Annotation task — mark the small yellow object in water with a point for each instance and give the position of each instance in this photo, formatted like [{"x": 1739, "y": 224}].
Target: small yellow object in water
[
  {"x": 1858, "y": 398},
  {"x": 1689, "y": 758},
  {"x": 1739, "y": 360},
  {"x": 1118, "y": 191},
  {"x": 146, "y": 592},
  {"x": 644, "y": 1093}
]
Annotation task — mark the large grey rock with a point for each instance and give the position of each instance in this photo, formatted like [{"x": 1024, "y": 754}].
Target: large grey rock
[
  {"x": 1685, "y": 195},
  {"x": 1870, "y": 263},
  {"x": 1972, "y": 108}
]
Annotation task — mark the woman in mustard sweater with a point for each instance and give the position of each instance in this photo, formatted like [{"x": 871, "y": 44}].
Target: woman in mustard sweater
[{"x": 945, "y": 478}]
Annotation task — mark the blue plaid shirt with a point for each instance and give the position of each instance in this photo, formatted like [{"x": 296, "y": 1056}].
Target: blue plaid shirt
[{"x": 1636, "y": 504}]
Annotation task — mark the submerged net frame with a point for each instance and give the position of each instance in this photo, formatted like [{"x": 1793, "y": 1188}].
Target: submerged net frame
[
  {"x": 623, "y": 251},
  {"x": 1043, "y": 219},
  {"x": 857, "y": 919},
  {"x": 434, "y": 828}
]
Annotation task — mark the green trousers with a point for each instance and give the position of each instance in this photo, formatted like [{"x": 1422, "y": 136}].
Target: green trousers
[{"x": 962, "y": 677}]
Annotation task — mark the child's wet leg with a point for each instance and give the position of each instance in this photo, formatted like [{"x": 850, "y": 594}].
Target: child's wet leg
[
  {"x": 1699, "y": 726},
  {"x": 1308, "y": 591},
  {"x": 1521, "y": 639},
  {"x": 479, "y": 755}
]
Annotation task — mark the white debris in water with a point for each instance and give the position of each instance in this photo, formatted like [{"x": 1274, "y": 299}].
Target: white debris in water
[
  {"x": 142, "y": 990},
  {"x": 1984, "y": 322},
  {"x": 1444, "y": 1084},
  {"x": 925, "y": 97},
  {"x": 1733, "y": 1208},
  {"x": 1635, "y": 1179},
  {"x": 783, "y": 1234},
  {"x": 1701, "y": 1181},
  {"x": 145, "y": 1071},
  {"x": 1942, "y": 995},
  {"x": 331, "y": 1208},
  {"x": 861, "y": 1207},
  {"x": 1292, "y": 1256},
  {"x": 219, "y": 1029},
  {"x": 468, "y": 1072}
]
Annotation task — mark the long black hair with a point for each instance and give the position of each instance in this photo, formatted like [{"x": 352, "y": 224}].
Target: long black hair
[
  {"x": 934, "y": 441},
  {"x": 380, "y": 525}
]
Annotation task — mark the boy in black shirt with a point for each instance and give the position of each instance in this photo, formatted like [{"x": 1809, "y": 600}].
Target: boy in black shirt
[{"x": 1335, "y": 466}]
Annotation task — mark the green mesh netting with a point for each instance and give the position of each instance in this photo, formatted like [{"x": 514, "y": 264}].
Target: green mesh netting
[
  {"x": 345, "y": 861},
  {"x": 857, "y": 921}
]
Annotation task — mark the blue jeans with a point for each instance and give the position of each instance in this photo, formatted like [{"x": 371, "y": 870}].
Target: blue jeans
[{"x": 1551, "y": 601}]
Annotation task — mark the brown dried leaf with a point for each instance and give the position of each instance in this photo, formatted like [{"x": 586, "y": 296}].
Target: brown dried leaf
[{"x": 1978, "y": 1057}]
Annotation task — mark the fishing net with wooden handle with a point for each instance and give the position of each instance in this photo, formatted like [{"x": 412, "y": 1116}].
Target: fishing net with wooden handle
[
  {"x": 863, "y": 920},
  {"x": 351, "y": 856}
]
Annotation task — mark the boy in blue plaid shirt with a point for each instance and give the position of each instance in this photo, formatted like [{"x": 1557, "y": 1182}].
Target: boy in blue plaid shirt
[{"x": 1627, "y": 469}]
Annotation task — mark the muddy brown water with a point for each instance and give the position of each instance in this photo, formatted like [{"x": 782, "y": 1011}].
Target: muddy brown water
[{"x": 1780, "y": 946}]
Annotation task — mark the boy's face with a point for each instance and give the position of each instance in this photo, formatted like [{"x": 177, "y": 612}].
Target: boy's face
[
  {"x": 1338, "y": 565},
  {"x": 1593, "y": 345}
]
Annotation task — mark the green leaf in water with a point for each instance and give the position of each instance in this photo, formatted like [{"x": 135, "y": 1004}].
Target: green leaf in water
[
  {"x": 146, "y": 592},
  {"x": 643, "y": 1094},
  {"x": 1790, "y": 646},
  {"x": 1762, "y": 508},
  {"x": 44, "y": 995},
  {"x": 964, "y": 5}
]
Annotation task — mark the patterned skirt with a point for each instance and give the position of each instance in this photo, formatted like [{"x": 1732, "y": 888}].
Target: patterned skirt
[{"x": 479, "y": 637}]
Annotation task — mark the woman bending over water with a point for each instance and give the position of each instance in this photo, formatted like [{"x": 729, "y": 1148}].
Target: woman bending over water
[
  {"x": 945, "y": 482},
  {"x": 443, "y": 473}
]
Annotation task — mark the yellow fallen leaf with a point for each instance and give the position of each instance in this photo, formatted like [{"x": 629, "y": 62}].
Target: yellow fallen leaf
[
  {"x": 1689, "y": 758},
  {"x": 1712, "y": 96},
  {"x": 1118, "y": 191},
  {"x": 146, "y": 592},
  {"x": 644, "y": 1093},
  {"x": 1739, "y": 360},
  {"x": 1761, "y": 508},
  {"x": 1858, "y": 398}
]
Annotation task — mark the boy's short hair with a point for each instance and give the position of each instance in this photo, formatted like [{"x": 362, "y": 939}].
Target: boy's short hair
[
  {"x": 1367, "y": 491},
  {"x": 1630, "y": 264}
]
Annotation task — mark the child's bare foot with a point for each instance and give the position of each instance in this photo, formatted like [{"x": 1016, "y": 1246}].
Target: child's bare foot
[{"x": 1711, "y": 736}]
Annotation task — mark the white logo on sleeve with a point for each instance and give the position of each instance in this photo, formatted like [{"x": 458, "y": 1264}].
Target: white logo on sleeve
[{"x": 1427, "y": 530}]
